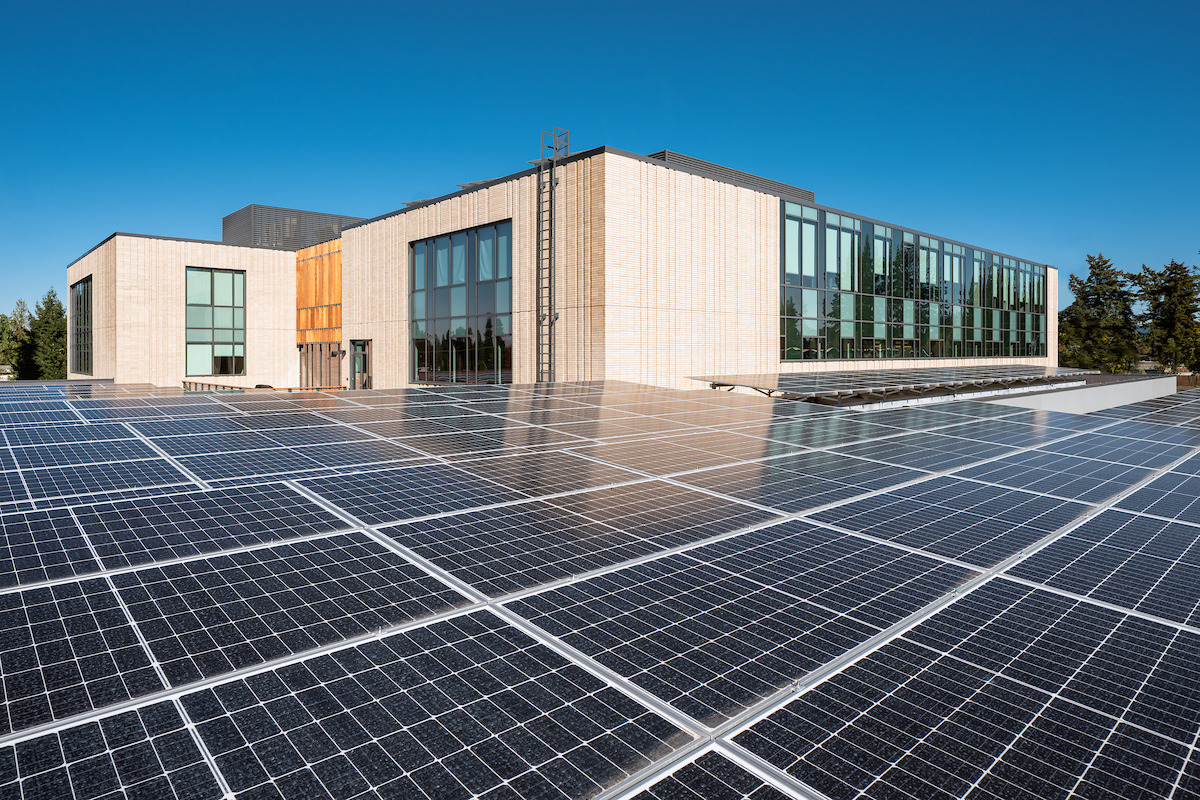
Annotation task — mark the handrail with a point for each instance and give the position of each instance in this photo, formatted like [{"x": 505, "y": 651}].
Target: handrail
[{"x": 205, "y": 386}]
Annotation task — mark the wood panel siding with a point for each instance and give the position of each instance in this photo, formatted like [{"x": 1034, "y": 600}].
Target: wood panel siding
[{"x": 319, "y": 293}]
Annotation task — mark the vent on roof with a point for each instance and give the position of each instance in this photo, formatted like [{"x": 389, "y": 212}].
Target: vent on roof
[{"x": 720, "y": 173}]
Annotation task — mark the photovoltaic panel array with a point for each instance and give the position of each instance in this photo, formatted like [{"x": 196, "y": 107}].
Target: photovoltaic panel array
[{"x": 594, "y": 589}]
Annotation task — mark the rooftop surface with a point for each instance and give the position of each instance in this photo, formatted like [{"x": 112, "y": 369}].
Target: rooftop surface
[{"x": 593, "y": 590}]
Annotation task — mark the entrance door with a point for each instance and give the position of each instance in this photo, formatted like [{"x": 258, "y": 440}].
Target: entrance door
[{"x": 360, "y": 363}]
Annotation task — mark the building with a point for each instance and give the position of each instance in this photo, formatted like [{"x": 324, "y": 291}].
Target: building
[
  {"x": 598, "y": 265},
  {"x": 285, "y": 228}
]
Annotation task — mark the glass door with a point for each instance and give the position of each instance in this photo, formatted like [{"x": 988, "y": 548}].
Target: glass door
[{"x": 360, "y": 363}]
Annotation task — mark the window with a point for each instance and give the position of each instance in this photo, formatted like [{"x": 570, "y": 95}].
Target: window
[
  {"x": 81, "y": 326},
  {"x": 216, "y": 322},
  {"x": 461, "y": 306},
  {"x": 853, "y": 288}
]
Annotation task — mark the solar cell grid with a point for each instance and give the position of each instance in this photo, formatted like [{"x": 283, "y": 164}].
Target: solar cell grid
[
  {"x": 225, "y": 442},
  {"x": 57, "y": 434},
  {"x": 1172, "y": 495},
  {"x": 821, "y": 432},
  {"x": 12, "y": 488},
  {"x": 17, "y": 418},
  {"x": 800, "y": 482},
  {"x": 908, "y": 719},
  {"x": 1149, "y": 431},
  {"x": 58, "y": 455},
  {"x": 364, "y": 415},
  {"x": 391, "y": 495},
  {"x": 975, "y": 523},
  {"x": 614, "y": 429},
  {"x": 110, "y": 402},
  {"x": 912, "y": 418},
  {"x": 714, "y": 417},
  {"x": 553, "y": 472},
  {"x": 147, "y": 753},
  {"x": 520, "y": 546},
  {"x": 139, "y": 531},
  {"x": 711, "y": 777},
  {"x": 84, "y": 479},
  {"x": 1146, "y": 565},
  {"x": 273, "y": 461},
  {"x": 186, "y": 426},
  {"x": 202, "y": 618},
  {"x": 135, "y": 413},
  {"x": 700, "y": 633},
  {"x": 1120, "y": 450},
  {"x": 67, "y": 649},
  {"x": 1063, "y": 476},
  {"x": 366, "y": 451},
  {"x": 397, "y": 429},
  {"x": 37, "y": 546},
  {"x": 466, "y": 707},
  {"x": 294, "y": 419},
  {"x": 927, "y": 451},
  {"x": 1006, "y": 432}
]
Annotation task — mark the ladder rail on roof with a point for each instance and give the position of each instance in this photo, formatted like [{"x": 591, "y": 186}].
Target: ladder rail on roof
[{"x": 555, "y": 145}]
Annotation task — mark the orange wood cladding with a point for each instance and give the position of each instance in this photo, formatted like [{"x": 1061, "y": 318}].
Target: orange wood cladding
[{"x": 319, "y": 293}]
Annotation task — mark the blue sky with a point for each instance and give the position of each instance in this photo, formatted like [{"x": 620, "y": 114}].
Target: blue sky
[{"x": 1046, "y": 130}]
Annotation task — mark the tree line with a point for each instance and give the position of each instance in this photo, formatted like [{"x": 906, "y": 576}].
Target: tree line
[
  {"x": 1116, "y": 316},
  {"x": 35, "y": 345}
]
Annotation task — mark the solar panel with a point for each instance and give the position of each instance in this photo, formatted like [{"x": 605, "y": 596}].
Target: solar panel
[
  {"x": 59, "y": 455},
  {"x": 976, "y": 523},
  {"x": 140, "y": 531},
  {"x": 727, "y": 596},
  {"x": 1068, "y": 477},
  {"x": 84, "y": 479},
  {"x": 698, "y": 632},
  {"x": 461, "y": 708},
  {"x": 392, "y": 495},
  {"x": 1012, "y": 690},
  {"x": 800, "y": 482},
  {"x": 67, "y": 649},
  {"x": 38, "y": 546},
  {"x": 711, "y": 777},
  {"x": 1136, "y": 562},
  {"x": 58, "y": 434},
  {"x": 142, "y": 753},
  {"x": 213, "y": 615},
  {"x": 499, "y": 551}
]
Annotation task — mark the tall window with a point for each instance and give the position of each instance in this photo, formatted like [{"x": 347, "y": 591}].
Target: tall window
[
  {"x": 462, "y": 306},
  {"x": 216, "y": 322},
  {"x": 81, "y": 326}
]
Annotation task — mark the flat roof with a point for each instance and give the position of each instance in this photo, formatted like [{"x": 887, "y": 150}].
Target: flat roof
[{"x": 592, "y": 589}]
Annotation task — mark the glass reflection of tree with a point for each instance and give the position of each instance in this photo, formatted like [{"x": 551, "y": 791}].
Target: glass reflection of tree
[{"x": 793, "y": 345}]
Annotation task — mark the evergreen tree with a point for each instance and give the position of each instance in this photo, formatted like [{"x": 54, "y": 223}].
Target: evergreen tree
[
  {"x": 16, "y": 345},
  {"x": 1098, "y": 330},
  {"x": 49, "y": 334},
  {"x": 1172, "y": 298}
]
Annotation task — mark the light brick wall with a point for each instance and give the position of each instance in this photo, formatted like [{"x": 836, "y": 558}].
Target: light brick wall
[
  {"x": 691, "y": 275},
  {"x": 375, "y": 271},
  {"x": 139, "y": 301}
]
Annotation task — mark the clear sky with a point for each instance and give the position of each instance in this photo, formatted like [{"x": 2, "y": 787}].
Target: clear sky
[{"x": 1047, "y": 130}]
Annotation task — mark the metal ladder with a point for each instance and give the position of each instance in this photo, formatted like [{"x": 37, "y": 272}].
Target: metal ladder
[{"x": 555, "y": 145}]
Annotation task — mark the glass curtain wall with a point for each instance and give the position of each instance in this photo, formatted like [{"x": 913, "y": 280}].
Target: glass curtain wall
[
  {"x": 856, "y": 289},
  {"x": 81, "y": 326},
  {"x": 216, "y": 322},
  {"x": 462, "y": 306}
]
